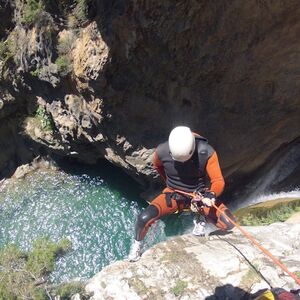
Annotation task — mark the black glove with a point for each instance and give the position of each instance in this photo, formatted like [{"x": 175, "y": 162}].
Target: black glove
[
  {"x": 209, "y": 198},
  {"x": 209, "y": 195}
]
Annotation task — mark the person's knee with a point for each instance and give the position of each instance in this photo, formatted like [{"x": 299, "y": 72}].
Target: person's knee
[
  {"x": 224, "y": 222},
  {"x": 224, "y": 219},
  {"x": 151, "y": 212}
]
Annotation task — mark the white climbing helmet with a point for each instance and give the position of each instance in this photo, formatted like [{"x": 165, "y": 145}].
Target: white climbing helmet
[{"x": 181, "y": 143}]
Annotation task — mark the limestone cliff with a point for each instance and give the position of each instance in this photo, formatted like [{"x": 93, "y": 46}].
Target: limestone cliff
[
  {"x": 113, "y": 77},
  {"x": 189, "y": 267}
]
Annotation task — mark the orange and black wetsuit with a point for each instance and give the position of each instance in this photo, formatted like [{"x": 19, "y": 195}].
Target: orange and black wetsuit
[{"x": 188, "y": 176}]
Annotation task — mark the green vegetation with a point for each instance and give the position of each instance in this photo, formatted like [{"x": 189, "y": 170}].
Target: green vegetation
[
  {"x": 41, "y": 260},
  {"x": 64, "y": 65},
  {"x": 35, "y": 73},
  {"x": 64, "y": 48},
  {"x": 3, "y": 49},
  {"x": 40, "y": 294},
  {"x": 8, "y": 48},
  {"x": 44, "y": 118},
  {"x": 24, "y": 275},
  {"x": 179, "y": 287},
  {"x": 68, "y": 289},
  {"x": 138, "y": 285},
  {"x": 80, "y": 13},
  {"x": 65, "y": 43},
  {"x": 268, "y": 212},
  {"x": 12, "y": 280},
  {"x": 32, "y": 9}
]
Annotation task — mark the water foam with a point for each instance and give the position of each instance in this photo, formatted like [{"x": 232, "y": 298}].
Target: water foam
[{"x": 258, "y": 198}]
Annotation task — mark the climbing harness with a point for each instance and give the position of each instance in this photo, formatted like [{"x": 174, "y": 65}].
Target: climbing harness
[
  {"x": 248, "y": 235},
  {"x": 183, "y": 201},
  {"x": 185, "y": 204}
]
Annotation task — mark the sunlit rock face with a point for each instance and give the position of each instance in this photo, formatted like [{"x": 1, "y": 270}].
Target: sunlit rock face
[
  {"x": 189, "y": 267},
  {"x": 229, "y": 70}
]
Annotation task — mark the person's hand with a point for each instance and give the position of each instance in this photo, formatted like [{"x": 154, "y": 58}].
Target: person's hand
[{"x": 209, "y": 198}]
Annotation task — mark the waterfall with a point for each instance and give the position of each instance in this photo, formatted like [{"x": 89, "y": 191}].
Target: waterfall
[{"x": 280, "y": 178}]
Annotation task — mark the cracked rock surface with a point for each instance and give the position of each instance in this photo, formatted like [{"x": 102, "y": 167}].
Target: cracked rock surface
[{"x": 217, "y": 267}]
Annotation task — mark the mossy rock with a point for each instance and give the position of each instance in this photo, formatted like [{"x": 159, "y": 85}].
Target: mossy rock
[
  {"x": 179, "y": 287},
  {"x": 268, "y": 212}
]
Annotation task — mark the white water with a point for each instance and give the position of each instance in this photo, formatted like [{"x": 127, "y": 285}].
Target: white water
[
  {"x": 269, "y": 196},
  {"x": 261, "y": 190}
]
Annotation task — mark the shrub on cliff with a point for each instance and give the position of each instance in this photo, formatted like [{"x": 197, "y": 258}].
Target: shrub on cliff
[
  {"x": 44, "y": 119},
  {"x": 268, "y": 212},
  {"x": 64, "y": 65},
  {"x": 80, "y": 14},
  {"x": 24, "y": 274},
  {"x": 28, "y": 12},
  {"x": 41, "y": 260},
  {"x": 3, "y": 50},
  {"x": 64, "y": 48},
  {"x": 34, "y": 36},
  {"x": 65, "y": 42},
  {"x": 7, "y": 53},
  {"x": 66, "y": 290}
]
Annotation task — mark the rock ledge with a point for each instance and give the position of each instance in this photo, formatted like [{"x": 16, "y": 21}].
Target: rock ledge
[{"x": 218, "y": 267}]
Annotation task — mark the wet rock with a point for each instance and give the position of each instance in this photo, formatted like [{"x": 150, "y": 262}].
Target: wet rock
[{"x": 37, "y": 163}]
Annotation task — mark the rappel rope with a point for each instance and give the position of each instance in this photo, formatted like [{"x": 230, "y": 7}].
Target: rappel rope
[{"x": 196, "y": 197}]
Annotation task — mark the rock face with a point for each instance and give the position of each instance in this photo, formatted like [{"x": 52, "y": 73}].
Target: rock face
[
  {"x": 14, "y": 150},
  {"x": 189, "y": 267},
  {"x": 229, "y": 70}
]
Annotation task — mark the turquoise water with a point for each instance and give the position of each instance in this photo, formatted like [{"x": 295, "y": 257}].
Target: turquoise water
[{"x": 95, "y": 208}]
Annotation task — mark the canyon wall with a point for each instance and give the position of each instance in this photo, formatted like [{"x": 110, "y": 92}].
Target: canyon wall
[{"x": 112, "y": 79}]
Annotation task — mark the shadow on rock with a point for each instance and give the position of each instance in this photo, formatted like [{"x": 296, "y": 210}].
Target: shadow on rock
[{"x": 220, "y": 232}]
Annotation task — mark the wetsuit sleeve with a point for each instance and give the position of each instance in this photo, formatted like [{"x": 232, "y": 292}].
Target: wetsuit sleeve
[
  {"x": 215, "y": 175},
  {"x": 158, "y": 166}
]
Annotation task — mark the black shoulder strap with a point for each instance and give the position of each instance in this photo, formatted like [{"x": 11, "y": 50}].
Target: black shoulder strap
[
  {"x": 162, "y": 150},
  {"x": 204, "y": 152}
]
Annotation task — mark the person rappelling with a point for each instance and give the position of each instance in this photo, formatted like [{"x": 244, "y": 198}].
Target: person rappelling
[{"x": 184, "y": 162}]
